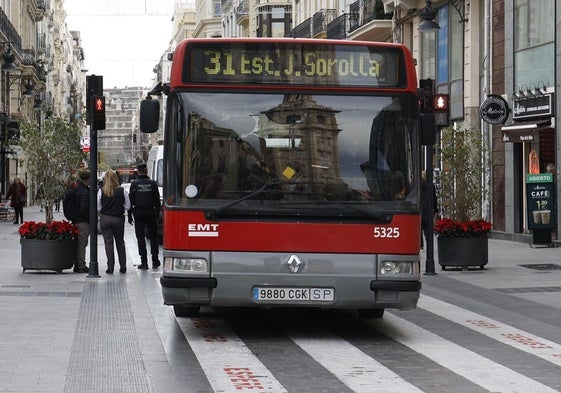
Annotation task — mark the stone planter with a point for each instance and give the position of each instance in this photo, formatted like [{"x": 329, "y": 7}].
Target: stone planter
[
  {"x": 54, "y": 255},
  {"x": 463, "y": 252}
]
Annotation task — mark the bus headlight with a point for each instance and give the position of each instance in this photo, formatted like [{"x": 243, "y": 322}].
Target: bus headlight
[
  {"x": 198, "y": 265},
  {"x": 398, "y": 267}
]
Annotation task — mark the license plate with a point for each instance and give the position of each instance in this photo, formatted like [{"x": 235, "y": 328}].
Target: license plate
[{"x": 290, "y": 294}]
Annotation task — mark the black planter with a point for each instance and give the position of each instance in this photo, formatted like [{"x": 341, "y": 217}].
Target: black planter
[
  {"x": 54, "y": 255},
  {"x": 463, "y": 252}
]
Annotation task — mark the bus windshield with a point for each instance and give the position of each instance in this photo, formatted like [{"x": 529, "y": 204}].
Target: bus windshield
[{"x": 254, "y": 153}]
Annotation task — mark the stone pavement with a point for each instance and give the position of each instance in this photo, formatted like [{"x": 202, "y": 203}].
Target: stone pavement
[{"x": 70, "y": 333}]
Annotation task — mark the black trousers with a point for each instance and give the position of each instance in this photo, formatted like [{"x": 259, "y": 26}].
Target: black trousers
[{"x": 146, "y": 219}]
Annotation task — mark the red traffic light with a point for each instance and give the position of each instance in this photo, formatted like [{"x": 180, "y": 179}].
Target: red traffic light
[
  {"x": 440, "y": 107},
  {"x": 98, "y": 112},
  {"x": 99, "y": 104},
  {"x": 440, "y": 102}
]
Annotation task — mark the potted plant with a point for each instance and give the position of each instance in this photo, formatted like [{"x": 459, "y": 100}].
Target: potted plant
[
  {"x": 462, "y": 234},
  {"x": 48, "y": 246},
  {"x": 52, "y": 152}
]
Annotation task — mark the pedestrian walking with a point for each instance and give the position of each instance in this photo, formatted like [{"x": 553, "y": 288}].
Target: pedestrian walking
[
  {"x": 17, "y": 193},
  {"x": 427, "y": 216},
  {"x": 112, "y": 202},
  {"x": 144, "y": 213},
  {"x": 81, "y": 217}
]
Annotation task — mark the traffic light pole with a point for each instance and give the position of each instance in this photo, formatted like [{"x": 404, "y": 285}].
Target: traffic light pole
[
  {"x": 94, "y": 267},
  {"x": 95, "y": 117}
]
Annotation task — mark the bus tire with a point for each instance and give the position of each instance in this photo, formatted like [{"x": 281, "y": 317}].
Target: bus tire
[
  {"x": 371, "y": 312},
  {"x": 186, "y": 311}
]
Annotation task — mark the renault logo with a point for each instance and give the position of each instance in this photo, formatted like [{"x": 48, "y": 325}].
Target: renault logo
[{"x": 294, "y": 263}]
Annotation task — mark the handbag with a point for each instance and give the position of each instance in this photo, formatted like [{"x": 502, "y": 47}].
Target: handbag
[{"x": 23, "y": 199}]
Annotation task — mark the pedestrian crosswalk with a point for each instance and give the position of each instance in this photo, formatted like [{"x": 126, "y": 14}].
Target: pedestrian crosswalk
[{"x": 440, "y": 347}]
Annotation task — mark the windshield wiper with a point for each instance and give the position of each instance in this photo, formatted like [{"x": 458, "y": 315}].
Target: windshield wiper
[{"x": 212, "y": 214}]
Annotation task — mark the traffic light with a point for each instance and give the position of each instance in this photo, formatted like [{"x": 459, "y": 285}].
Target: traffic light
[
  {"x": 441, "y": 109},
  {"x": 94, "y": 87},
  {"x": 98, "y": 113}
]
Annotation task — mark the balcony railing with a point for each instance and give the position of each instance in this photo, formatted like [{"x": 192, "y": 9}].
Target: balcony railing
[
  {"x": 303, "y": 30},
  {"x": 337, "y": 28},
  {"x": 370, "y": 10},
  {"x": 242, "y": 11},
  {"x": 320, "y": 20},
  {"x": 10, "y": 32},
  {"x": 29, "y": 55}
]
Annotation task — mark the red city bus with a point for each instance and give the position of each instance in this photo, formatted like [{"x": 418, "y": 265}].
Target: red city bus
[{"x": 291, "y": 175}]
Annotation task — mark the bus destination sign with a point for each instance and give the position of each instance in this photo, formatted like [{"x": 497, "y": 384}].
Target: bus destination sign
[{"x": 294, "y": 64}]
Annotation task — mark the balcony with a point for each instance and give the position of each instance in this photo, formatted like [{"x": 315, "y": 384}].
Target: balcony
[
  {"x": 337, "y": 29},
  {"x": 9, "y": 32},
  {"x": 369, "y": 22},
  {"x": 320, "y": 20},
  {"x": 38, "y": 9},
  {"x": 242, "y": 12},
  {"x": 303, "y": 30}
]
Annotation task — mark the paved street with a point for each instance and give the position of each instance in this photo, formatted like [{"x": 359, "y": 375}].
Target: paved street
[{"x": 494, "y": 330}]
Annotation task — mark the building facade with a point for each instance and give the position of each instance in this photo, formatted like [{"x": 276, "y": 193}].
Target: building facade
[
  {"x": 122, "y": 144},
  {"x": 40, "y": 76}
]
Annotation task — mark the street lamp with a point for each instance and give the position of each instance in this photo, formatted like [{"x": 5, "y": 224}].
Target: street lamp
[{"x": 428, "y": 15}]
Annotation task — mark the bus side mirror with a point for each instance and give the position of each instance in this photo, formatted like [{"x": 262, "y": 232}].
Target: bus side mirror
[
  {"x": 149, "y": 115},
  {"x": 428, "y": 129}
]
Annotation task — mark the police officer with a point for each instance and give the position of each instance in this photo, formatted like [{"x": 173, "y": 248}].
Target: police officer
[{"x": 145, "y": 207}]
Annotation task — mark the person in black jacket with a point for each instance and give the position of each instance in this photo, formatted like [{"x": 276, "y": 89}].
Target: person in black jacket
[
  {"x": 112, "y": 202},
  {"x": 427, "y": 216},
  {"x": 145, "y": 206},
  {"x": 82, "y": 221}
]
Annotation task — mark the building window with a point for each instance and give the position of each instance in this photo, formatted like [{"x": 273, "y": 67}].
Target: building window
[
  {"x": 274, "y": 21},
  {"x": 216, "y": 8},
  {"x": 450, "y": 59},
  {"x": 534, "y": 43}
]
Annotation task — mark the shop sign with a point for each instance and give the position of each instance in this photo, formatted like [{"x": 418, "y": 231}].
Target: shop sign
[
  {"x": 528, "y": 107},
  {"x": 494, "y": 110},
  {"x": 539, "y": 197}
]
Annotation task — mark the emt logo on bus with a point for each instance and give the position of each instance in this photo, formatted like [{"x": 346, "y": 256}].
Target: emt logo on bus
[{"x": 202, "y": 230}]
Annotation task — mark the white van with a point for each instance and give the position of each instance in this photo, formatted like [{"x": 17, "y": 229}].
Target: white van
[{"x": 155, "y": 166}]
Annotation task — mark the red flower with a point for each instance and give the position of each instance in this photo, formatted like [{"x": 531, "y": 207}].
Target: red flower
[
  {"x": 55, "y": 230},
  {"x": 450, "y": 228}
]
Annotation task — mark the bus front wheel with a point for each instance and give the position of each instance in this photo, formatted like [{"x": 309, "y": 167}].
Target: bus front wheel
[{"x": 186, "y": 311}]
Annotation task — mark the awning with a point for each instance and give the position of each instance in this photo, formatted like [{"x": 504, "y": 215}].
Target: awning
[{"x": 524, "y": 131}]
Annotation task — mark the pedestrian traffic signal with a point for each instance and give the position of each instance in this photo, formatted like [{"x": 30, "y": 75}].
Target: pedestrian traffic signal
[
  {"x": 98, "y": 113},
  {"x": 94, "y": 87},
  {"x": 440, "y": 106}
]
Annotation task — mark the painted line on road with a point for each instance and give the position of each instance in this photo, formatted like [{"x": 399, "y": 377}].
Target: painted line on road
[
  {"x": 354, "y": 368},
  {"x": 505, "y": 334},
  {"x": 476, "y": 368},
  {"x": 227, "y": 362}
]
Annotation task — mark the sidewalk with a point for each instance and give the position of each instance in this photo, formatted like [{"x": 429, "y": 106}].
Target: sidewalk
[{"x": 70, "y": 333}]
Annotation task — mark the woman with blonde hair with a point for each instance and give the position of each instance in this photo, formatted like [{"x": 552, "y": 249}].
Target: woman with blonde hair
[{"x": 112, "y": 202}]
